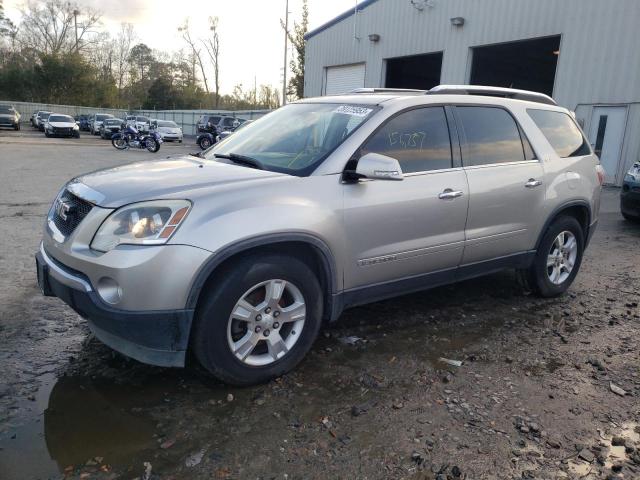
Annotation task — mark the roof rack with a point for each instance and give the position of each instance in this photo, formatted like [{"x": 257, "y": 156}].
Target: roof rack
[
  {"x": 492, "y": 92},
  {"x": 406, "y": 91}
]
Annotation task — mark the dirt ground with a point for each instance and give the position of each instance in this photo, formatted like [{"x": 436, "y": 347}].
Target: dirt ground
[{"x": 547, "y": 389}]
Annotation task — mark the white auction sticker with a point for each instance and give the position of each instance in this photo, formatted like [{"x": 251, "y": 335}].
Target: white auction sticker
[{"x": 354, "y": 111}]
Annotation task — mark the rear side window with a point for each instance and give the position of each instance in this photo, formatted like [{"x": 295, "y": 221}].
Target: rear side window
[
  {"x": 228, "y": 121},
  {"x": 561, "y": 132},
  {"x": 418, "y": 139},
  {"x": 492, "y": 136}
]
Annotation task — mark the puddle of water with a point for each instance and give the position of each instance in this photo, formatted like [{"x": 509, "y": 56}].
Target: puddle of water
[{"x": 74, "y": 420}]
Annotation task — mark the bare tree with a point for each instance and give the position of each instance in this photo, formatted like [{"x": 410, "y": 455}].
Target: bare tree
[
  {"x": 51, "y": 27},
  {"x": 212, "y": 45},
  {"x": 123, "y": 44},
  {"x": 186, "y": 36}
]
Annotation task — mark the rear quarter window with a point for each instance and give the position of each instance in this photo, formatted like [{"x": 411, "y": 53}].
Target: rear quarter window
[{"x": 561, "y": 131}]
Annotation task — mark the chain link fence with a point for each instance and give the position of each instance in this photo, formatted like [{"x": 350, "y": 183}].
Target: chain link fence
[{"x": 186, "y": 119}]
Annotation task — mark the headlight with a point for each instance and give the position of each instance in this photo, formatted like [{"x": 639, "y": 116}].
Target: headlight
[
  {"x": 145, "y": 223},
  {"x": 76, "y": 127}
]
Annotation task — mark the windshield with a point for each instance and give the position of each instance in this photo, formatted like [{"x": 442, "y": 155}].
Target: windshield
[
  {"x": 167, "y": 124},
  {"x": 4, "y": 109},
  {"x": 44, "y": 116},
  {"x": 61, "y": 118},
  {"x": 142, "y": 119},
  {"x": 296, "y": 138}
]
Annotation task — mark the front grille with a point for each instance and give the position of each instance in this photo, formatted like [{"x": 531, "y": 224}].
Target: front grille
[
  {"x": 61, "y": 130},
  {"x": 74, "y": 208}
]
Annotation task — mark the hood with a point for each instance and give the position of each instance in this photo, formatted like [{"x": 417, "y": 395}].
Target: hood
[
  {"x": 62, "y": 124},
  {"x": 171, "y": 178}
]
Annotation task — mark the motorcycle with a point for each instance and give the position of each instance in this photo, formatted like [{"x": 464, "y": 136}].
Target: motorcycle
[{"x": 129, "y": 137}]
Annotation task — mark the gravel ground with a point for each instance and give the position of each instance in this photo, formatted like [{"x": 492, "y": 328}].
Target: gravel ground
[{"x": 547, "y": 389}]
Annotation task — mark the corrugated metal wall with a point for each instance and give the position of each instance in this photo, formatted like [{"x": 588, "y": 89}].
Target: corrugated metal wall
[
  {"x": 186, "y": 119},
  {"x": 599, "y": 61}
]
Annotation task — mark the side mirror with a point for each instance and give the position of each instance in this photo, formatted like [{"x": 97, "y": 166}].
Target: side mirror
[{"x": 378, "y": 167}]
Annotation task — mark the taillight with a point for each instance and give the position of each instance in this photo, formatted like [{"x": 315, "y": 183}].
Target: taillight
[{"x": 600, "y": 173}]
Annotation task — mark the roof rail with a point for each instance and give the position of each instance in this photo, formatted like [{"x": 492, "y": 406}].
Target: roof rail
[
  {"x": 407, "y": 91},
  {"x": 492, "y": 92}
]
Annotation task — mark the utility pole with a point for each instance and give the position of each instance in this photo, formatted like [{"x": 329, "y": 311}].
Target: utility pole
[
  {"x": 76, "y": 12},
  {"x": 284, "y": 70}
]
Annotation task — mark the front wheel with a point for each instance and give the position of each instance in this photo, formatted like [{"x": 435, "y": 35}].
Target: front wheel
[
  {"x": 119, "y": 142},
  {"x": 152, "y": 145},
  {"x": 557, "y": 259},
  {"x": 258, "y": 320}
]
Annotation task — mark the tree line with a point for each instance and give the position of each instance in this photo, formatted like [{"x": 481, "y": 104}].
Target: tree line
[{"x": 60, "y": 54}]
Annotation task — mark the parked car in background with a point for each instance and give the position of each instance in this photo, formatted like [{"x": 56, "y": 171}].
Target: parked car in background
[
  {"x": 32, "y": 120},
  {"x": 42, "y": 119},
  {"x": 109, "y": 127},
  {"x": 227, "y": 133},
  {"x": 83, "y": 122},
  {"x": 139, "y": 122},
  {"x": 59, "y": 125},
  {"x": 221, "y": 122},
  {"x": 169, "y": 131},
  {"x": 630, "y": 194},
  {"x": 96, "y": 121},
  {"x": 9, "y": 117},
  {"x": 38, "y": 116},
  {"x": 324, "y": 204}
]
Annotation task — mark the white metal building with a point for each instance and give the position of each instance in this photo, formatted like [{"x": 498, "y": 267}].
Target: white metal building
[{"x": 582, "y": 52}]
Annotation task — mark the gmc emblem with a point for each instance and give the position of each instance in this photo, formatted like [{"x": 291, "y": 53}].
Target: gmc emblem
[{"x": 63, "y": 209}]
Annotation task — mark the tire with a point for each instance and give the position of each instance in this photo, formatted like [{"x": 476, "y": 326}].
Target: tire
[
  {"x": 204, "y": 143},
  {"x": 213, "y": 324},
  {"x": 152, "y": 145},
  {"x": 539, "y": 276},
  {"x": 46, "y": 134},
  {"x": 76, "y": 135},
  {"x": 17, "y": 127},
  {"x": 119, "y": 143}
]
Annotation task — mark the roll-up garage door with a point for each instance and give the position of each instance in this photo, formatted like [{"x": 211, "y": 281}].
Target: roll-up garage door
[{"x": 344, "y": 78}]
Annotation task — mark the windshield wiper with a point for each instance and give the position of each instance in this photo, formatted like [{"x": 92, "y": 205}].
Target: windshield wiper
[{"x": 242, "y": 159}]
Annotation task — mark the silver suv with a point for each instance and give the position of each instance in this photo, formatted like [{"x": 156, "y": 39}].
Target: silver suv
[{"x": 241, "y": 253}]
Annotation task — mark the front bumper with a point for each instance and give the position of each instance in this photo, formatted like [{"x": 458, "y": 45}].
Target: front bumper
[
  {"x": 630, "y": 199},
  {"x": 152, "y": 337}
]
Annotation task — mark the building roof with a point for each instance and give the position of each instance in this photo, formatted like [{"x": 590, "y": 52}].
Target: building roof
[{"x": 361, "y": 6}]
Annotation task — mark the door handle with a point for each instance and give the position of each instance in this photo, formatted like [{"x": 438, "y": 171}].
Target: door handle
[
  {"x": 449, "y": 194},
  {"x": 532, "y": 183}
]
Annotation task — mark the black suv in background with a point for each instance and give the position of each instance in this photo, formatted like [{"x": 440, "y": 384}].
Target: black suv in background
[{"x": 221, "y": 122}]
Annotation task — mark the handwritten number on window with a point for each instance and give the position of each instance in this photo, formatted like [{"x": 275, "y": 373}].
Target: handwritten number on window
[{"x": 411, "y": 140}]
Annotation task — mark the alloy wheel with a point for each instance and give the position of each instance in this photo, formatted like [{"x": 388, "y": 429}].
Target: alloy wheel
[
  {"x": 266, "y": 322},
  {"x": 562, "y": 257}
]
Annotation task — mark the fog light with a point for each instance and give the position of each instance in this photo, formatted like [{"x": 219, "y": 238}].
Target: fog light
[{"x": 109, "y": 290}]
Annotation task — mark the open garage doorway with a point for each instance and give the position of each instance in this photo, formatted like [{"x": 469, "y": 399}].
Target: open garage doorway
[
  {"x": 525, "y": 64},
  {"x": 416, "y": 71}
]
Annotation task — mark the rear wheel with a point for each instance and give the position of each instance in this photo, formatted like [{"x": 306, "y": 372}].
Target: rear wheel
[
  {"x": 258, "y": 320},
  {"x": 152, "y": 145},
  {"x": 631, "y": 218},
  {"x": 557, "y": 259}
]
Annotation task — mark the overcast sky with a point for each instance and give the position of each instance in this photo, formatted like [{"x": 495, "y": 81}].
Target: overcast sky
[{"x": 251, "y": 38}]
